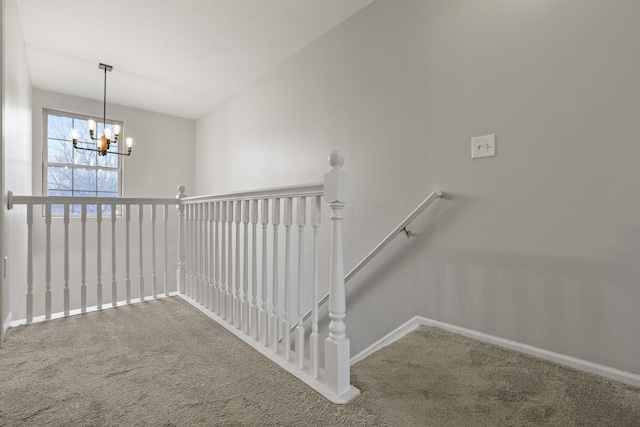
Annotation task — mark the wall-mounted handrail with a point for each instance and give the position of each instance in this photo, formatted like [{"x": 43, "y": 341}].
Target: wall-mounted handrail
[
  {"x": 417, "y": 211},
  {"x": 401, "y": 227}
]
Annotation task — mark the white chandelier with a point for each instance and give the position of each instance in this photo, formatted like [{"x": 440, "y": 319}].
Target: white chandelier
[{"x": 103, "y": 142}]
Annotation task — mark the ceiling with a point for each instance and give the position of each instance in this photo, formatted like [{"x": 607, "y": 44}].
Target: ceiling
[{"x": 175, "y": 57}]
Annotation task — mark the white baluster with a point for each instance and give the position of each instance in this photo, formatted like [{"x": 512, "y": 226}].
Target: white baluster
[
  {"x": 181, "y": 270},
  {"x": 99, "y": 253},
  {"x": 66, "y": 259},
  {"x": 193, "y": 256},
  {"x": 230, "y": 262},
  {"x": 210, "y": 261},
  {"x": 47, "y": 295},
  {"x": 216, "y": 262},
  {"x": 286, "y": 322},
  {"x": 154, "y": 278},
  {"x": 141, "y": 276},
  {"x": 114, "y": 283},
  {"x": 245, "y": 271},
  {"x": 83, "y": 278},
  {"x": 264, "y": 314},
  {"x": 275, "y": 318},
  {"x": 29, "y": 263},
  {"x": 222, "y": 300},
  {"x": 236, "y": 295},
  {"x": 336, "y": 349},
  {"x": 254, "y": 271},
  {"x": 187, "y": 249},
  {"x": 189, "y": 255},
  {"x": 127, "y": 278},
  {"x": 203, "y": 256},
  {"x": 199, "y": 251},
  {"x": 300, "y": 328},
  {"x": 165, "y": 217},
  {"x": 314, "y": 344},
  {"x": 202, "y": 250},
  {"x": 195, "y": 287},
  {"x": 204, "y": 266},
  {"x": 201, "y": 234}
]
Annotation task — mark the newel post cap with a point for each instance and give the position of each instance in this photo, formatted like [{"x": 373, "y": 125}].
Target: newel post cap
[
  {"x": 180, "y": 194},
  {"x": 336, "y": 181},
  {"x": 179, "y": 198}
]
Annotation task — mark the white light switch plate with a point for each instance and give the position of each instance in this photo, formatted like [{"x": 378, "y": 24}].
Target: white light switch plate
[{"x": 483, "y": 146}]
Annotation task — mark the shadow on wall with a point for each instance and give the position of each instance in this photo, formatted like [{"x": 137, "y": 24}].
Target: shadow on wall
[{"x": 569, "y": 306}]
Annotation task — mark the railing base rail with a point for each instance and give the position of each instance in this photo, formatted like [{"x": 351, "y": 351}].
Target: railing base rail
[{"x": 289, "y": 366}]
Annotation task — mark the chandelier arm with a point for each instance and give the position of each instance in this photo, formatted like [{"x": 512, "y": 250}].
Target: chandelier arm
[
  {"x": 87, "y": 149},
  {"x": 128, "y": 153}
]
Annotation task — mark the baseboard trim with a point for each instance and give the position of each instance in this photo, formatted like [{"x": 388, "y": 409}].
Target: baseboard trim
[
  {"x": 78, "y": 311},
  {"x": 390, "y": 338},
  {"x": 561, "y": 359},
  {"x": 5, "y": 327}
]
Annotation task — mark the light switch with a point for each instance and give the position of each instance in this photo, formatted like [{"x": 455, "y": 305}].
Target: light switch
[{"x": 483, "y": 146}]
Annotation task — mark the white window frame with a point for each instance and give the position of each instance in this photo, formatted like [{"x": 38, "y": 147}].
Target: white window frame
[{"x": 45, "y": 153}]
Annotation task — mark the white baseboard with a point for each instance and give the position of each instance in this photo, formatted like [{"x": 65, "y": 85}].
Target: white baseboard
[
  {"x": 77, "y": 311},
  {"x": 5, "y": 327},
  {"x": 561, "y": 359},
  {"x": 391, "y": 337}
]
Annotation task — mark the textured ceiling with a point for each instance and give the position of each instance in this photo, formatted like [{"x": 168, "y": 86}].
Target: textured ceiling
[{"x": 174, "y": 57}]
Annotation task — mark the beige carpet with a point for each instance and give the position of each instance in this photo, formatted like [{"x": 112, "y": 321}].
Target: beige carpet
[{"x": 163, "y": 363}]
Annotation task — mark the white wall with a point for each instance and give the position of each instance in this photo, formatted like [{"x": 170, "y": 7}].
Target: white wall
[
  {"x": 163, "y": 152},
  {"x": 540, "y": 244},
  {"x": 162, "y": 158},
  {"x": 16, "y": 107}
]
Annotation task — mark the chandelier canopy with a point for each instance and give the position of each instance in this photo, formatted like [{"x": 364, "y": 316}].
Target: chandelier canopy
[{"x": 103, "y": 142}]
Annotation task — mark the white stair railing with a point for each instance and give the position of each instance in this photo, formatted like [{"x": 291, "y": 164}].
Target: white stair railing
[
  {"x": 86, "y": 209},
  {"x": 222, "y": 269},
  {"x": 262, "y": 315}
]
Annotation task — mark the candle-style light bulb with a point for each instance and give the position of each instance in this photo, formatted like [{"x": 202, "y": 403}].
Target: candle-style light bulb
[
  {"x": 92, "y": 125},
  {"x": 107, "y": 133},
  {"x": 74, "y": 135},
  {"x": 116, "y": 130},
  {"x": 129, "y": 142}
]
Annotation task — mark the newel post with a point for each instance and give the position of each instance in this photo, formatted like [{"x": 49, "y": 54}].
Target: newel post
[
  {"x": 337, "y": 347},
  {"x": 182, "y": 272}
]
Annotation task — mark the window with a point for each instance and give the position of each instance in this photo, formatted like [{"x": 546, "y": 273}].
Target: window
[{"x": 71, "y": 172}]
